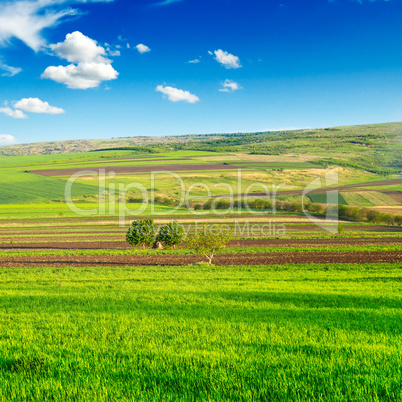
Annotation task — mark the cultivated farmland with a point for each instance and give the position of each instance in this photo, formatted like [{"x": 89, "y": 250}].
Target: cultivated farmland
[{"x": 298, "y": 306}]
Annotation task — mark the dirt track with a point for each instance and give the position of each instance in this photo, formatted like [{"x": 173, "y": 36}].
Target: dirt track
[{"x": 221, "y": 259}]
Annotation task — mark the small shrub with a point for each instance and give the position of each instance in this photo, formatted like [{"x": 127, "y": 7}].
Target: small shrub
[
  {"x": 141, "y": 233},
  {"x": 171, "y": 234}
]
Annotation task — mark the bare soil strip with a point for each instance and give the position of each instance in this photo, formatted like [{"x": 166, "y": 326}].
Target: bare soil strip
[
  {"x": 221, "y": 259},
  {"x": 137, "y": 169},
  {"x": 12, "y": 234}
]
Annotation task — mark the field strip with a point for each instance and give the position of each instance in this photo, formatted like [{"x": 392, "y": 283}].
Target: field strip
[
  {"x": 264, "y": 245},
  {"x": 200, "y": 221},
  {"x": 220, "y": 259},
  {"x": 138, "y": 168},
  {"x": 59, "y": 235},
  {"x": 79, "y": 251},
  {"x": 347, "y": 187}
]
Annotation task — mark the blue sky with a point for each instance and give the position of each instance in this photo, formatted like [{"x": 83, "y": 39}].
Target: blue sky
[{"x": 99, "y": 69}]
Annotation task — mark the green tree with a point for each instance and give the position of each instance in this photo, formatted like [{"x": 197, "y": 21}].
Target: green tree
[
  {"x": 208, "y": 242},
  {"x": 141, "y": 233},
  {"x": 171, "y": 234},
  {"x": 373, "y": 216}
]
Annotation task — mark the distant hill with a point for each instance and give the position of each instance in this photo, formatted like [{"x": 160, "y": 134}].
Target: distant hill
[
  {"x": 373, "y": 147},
  {"x": 74, "y": 146}
]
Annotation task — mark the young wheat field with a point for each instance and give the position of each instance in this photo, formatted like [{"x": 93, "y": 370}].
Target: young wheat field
[{"x": 290, "y": 332}]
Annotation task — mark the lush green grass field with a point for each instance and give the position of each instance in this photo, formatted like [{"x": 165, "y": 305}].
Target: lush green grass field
[{"x": 305, "y": 332}]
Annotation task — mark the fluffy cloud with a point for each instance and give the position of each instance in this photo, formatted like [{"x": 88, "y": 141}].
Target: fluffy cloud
[
  {"x": 177, "y": 95},
  {"x": 91, "y": 66},
  {"x": 9, "y": 71},
  {"x": 15, "y": 114},
  {"x": 79, "y": 48},
  {"x": 143, "y": 48},
  {"x": 81, "y": 76},
  {"x": 25, "y": 20},
  {"x": 230, "y": 86},
  {"x": 35, "y": 105},
  {"x": 7, "y": 139},
  {"x": 29, "y": 105},
  {"x": 228, "y": 60},
  {"x": 195, "y": 61}
]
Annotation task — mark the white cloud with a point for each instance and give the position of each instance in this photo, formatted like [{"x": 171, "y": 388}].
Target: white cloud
[
  {"x": 35, "y": 105},
  {"x": 91, "y": 69},
  {"x": 7, "y": 139},
  {"x": 195, "y": 61},
  {"x": 30, "y": 105},
  {"x": 26, "y": 20},
  {"x": 143, "y": 48},
  {"x": 113, "y": 53},
  {"x": 177, "y": 95},
  {"x": 79, "y": 48},
  {"x": 15, "y": 114},
  {"x": 81, "y": 76},
  {"x": 228, "y": 60},
  {"x": 230, "y": 86},
  {"x": 9, "y": 71}
]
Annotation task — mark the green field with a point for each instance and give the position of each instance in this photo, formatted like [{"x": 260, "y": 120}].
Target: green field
[{"x": 306, "y": 332}]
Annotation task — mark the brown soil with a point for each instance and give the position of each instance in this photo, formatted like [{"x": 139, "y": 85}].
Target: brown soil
[
  {"x": 114, "y": 160},
  {"x": 222, "y": 259},
  {"x": 136, "y": 169},
  {"x": 396, "y": 195}
]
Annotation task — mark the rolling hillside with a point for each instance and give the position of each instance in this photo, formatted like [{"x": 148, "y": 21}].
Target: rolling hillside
[
  {"x": 33, "y": 173},
  {"x": 375, "y": 147}
]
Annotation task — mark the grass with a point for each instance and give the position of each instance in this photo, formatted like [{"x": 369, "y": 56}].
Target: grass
[
  {"x": 229, "y": 250},
  {"x": 61, "y": 211},
  {"x": 322, "y": 198},
  {"x": 300, "y": 333},
  {"x": 354, "y": 199},
  {"x": 19, "y": 187},
  {"x": 368, "y": 199}
]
